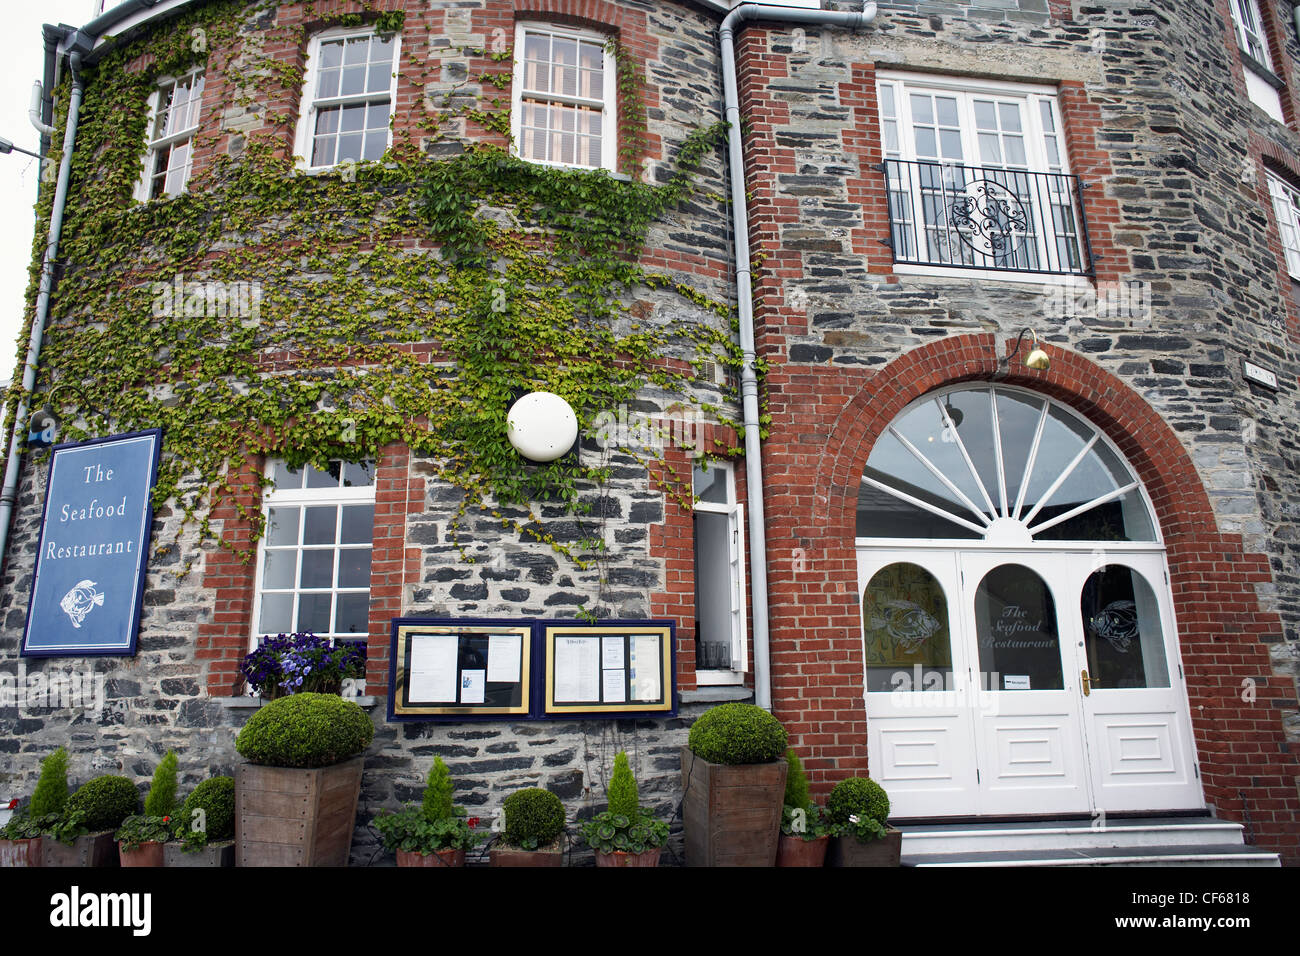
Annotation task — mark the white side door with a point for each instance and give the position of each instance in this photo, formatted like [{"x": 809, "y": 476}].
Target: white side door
[
  {"x": 918, "y": 706},
  {"x": 1029, "y": 735},
  {"x": 1135, "y": 711}
]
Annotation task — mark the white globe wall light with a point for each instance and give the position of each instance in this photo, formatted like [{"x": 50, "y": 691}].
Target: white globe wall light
[{"x": 542, "y": 426}]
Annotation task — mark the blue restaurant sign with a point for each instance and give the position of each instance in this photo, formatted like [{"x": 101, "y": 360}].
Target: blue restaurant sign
[{"x": 94, "y": 548}]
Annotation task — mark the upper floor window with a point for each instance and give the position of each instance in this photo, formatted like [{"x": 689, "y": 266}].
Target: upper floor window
[
  {"x": 1262, "y": 83},
  {"x": 173, "y": 122},
  {"x": 314, "y": 567},
  {"x": 564, "y": 104},
  {"x": 1286, "y": 208},
  {"x": 977, "y": 178},
  {"x": 348, "y": 98}
]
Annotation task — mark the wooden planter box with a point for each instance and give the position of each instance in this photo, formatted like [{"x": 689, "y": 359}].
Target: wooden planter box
[
  {"x": 449, "y": 857},
  {"x": 732, "y": 814},
  {"x": 619, "y": 858},
  {"x": 290, "y": 817},
  {"x": 25, "y": 853},
  {"x": 149, "y": 853},
  {"x": 796, "y": 851},
  {"x": 93, "y": 849},
  {"x": 849, "y": 851},
  {"x": 552, "y": 855},
  {"x": 214, "y": 854}
]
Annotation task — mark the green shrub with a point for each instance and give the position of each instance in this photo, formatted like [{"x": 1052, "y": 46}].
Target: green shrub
[
  {"x": 622, "y": 792},
  {"x": 438, "y": 792},
  {"x": 161, "y": 800},
  {"x": 534, "y": 817},
  {"x": 737, "y": 734},
  {"x": 858, "y": 796},
  {"x": 305, "y": 730},
  {"x": 51, "y": 793},
  {"x": 216, "y": 798},
  {"x": 796, "y": 782},
  {"x": 104, "y": 802}
]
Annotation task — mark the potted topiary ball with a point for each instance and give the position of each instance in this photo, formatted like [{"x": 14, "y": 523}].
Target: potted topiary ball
[
  {"x": 534, "y": 821},
  {"x": 84, "y": 834},
  {"x": 22, "y": 837},
  {"x": 858, "y": 808},
  {"x": 804, "y": 837},
  {"x": 733, "y": 780},
  {"x": 296, "y": 797},
  {"x": 204, "y": 828}
]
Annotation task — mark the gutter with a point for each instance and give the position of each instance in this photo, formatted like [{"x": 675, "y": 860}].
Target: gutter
[{"x": 744, "y": 298}]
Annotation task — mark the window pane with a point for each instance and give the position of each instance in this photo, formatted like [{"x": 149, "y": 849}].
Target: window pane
[
  {"x": 279, "y": 569},
  {"x": 276, "y": 614},
  {"x": 712, "y": 591},
  {"x": 353, "y": 615},
  {"x": 314, "y": 613},
  {"x": 358, "y": 524},
  {"x": 1015, "y": 620},
  {"x": 710, "y": 485},
  {"x": 282, "y": 526},
  {"x": 354, "y": 568},
  {"x": 905, "y": 621},
  {"x": 1122, "y": 633},
  {"x": 317, "y": 569},
  {"x": 358, "y": 474},
  {"x": 319, "y": 525},
  {"x": 323, "y": 479},
  {"x": 331, "y": 54}
]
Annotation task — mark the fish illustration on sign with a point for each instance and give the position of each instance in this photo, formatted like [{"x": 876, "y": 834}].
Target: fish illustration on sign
[
  {"x": 906, "y": 622},
  {"x": 80, "y": 601},
  {"x": 1117, "y": 623}
]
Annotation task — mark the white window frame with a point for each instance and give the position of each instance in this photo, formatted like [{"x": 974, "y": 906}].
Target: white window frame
[
  {"x": 1037, "y": 160},
  {"x": 1286, "y": 209},
  {"x": 608, "y": 104},
  {"x": 735, "y": 514},
  {"x": 297, "y": 497},
  {"x": 172, "y": 139},
  {"x": 1248, "y": 27},
  {"x": 308, "y": 105}
]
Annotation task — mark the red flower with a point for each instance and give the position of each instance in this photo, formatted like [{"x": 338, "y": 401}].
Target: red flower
[
  {"x": 13, "y": 804},
  {"x": 167, "y": 819},
  {"x": 472, "y": 821}
]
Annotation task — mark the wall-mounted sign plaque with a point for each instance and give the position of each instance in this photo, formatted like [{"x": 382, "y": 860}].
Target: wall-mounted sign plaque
[
  {"x": 94, "y": 548},
  {"x": 609, "y": 668}
]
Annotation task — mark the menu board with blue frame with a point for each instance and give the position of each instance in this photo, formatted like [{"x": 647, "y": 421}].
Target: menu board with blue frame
[
  {"x": 612, "y": 668},
  {"x": 88, "y": 584},
  {"x": 460, "y": 669}
]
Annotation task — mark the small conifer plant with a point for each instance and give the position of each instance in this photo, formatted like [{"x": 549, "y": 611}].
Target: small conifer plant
[{"x": 624, "y": 827}]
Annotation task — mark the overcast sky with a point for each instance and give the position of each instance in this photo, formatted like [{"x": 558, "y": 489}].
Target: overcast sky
[{"x": 21, "y": 57}]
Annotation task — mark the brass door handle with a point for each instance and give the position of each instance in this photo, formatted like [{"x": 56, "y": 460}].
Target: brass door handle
[{"x": 1088, "y": 682}]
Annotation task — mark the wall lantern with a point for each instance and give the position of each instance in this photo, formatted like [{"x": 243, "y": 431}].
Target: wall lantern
[
  {"x": 1037, "y": 359},
  {"x": 542, "y": 426}
]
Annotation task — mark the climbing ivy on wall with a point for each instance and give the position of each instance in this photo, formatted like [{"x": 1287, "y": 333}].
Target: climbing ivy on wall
[{"x": 405, "y": 300}]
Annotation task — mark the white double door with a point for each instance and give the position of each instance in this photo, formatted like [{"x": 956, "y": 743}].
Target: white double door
[{"x": 1059, "y": 691}]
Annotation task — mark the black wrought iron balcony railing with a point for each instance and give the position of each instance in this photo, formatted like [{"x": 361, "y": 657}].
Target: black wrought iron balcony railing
[{"x": 971, "y": 217}]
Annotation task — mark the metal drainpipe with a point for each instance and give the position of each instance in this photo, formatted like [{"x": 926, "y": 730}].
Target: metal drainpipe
[
  {"x": 749, "y": 378},
  {"x": 13, "y": 462}
]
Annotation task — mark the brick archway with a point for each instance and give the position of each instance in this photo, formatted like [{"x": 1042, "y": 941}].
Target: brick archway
[{"x": 1248, "y": 768}]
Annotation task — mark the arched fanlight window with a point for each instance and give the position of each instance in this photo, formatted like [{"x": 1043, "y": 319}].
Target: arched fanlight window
[{"x": 999, "y": 464}]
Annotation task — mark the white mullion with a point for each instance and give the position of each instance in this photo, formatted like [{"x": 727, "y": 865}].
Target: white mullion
[
  {"x": 1109, "y": 496},
  {"x": 925, "y": 505},
  {"x": 997, "y": 448},
  {"x": 970, "y": 465},
  {"x": 1047, "y": 495},
  {"x": 1029, "y": 462},
  {"x": 940, "y": 475},
  {"x": 173, "y": 139}
]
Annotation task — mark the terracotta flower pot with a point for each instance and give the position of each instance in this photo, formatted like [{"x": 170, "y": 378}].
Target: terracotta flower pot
[
  {"x": 619, "y": 858},
  {"x": 796, "y": 851},
  {"x": 25, "y": 853},
  {"x": 448, "y": 857},
  {"x": 552, "y": 855},
  {"x": 850, "y": 851},
  {"x": 149, "y": 853}
]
